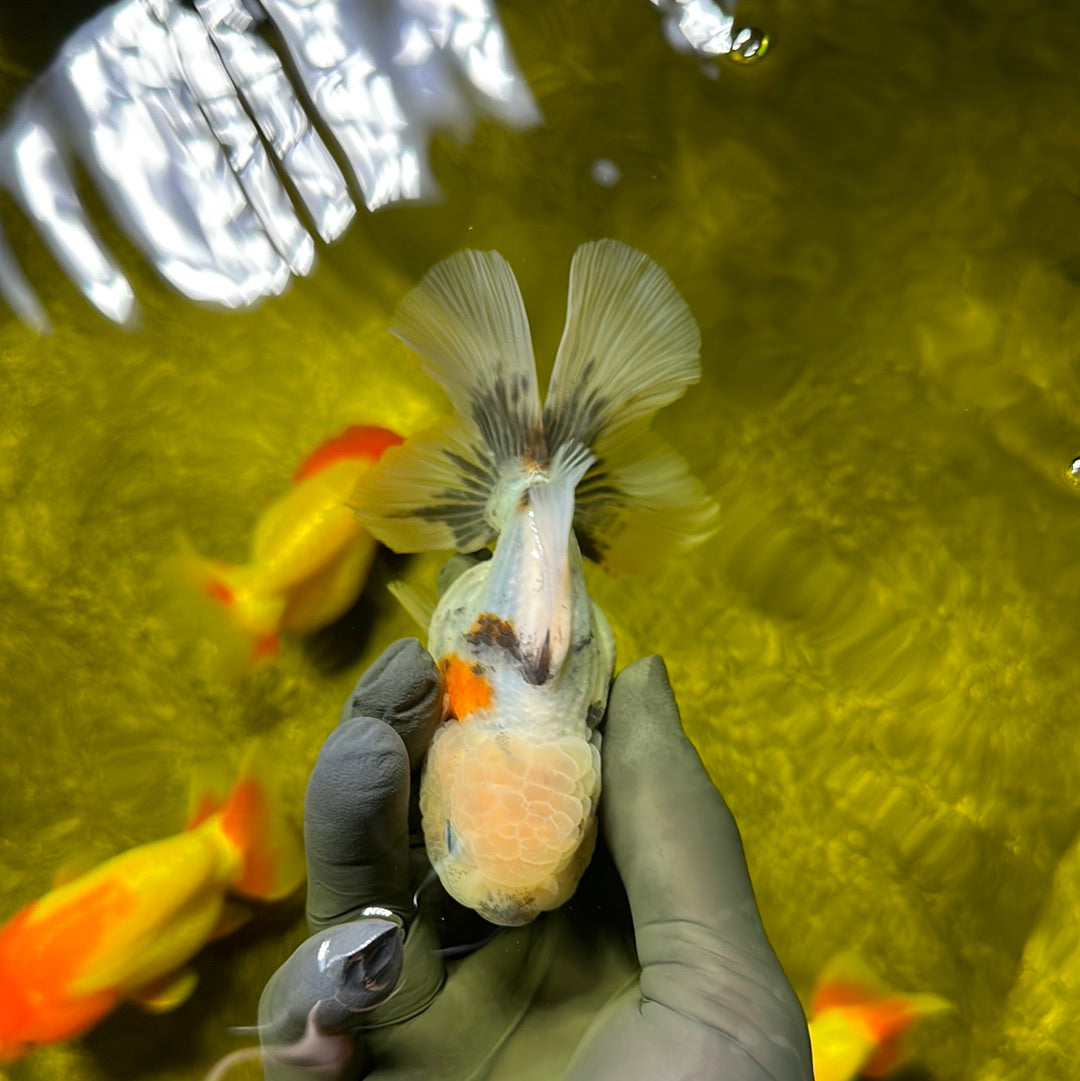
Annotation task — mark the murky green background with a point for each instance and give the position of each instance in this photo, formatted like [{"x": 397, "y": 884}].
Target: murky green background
[{"x": 877, "y": 228}]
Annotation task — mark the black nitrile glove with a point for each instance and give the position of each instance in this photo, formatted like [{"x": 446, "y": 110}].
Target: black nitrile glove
[{"x": 684, "y": 986}]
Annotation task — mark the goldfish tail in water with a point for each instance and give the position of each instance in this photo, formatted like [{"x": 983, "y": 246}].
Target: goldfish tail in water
[
  {"x": 630, "y": 346},
  {"x": 243, "y": 624},
  {"x": 857, "y": 1024},
  {"x": 251, "y": 820}
]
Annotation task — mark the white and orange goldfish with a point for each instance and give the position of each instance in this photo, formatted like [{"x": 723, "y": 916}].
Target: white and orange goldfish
[
  {"x": 512, "y": 779},
  {"x": 126, "y": 929},
  {"x": 857, "y": 1024},
  {"x": 310, "y": 555}
]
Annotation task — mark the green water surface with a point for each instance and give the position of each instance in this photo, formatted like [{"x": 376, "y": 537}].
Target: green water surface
[{"x": 878, "y": 230}]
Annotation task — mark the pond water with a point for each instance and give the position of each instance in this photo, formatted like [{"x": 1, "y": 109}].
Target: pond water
[{"x": 877, "y": 229}]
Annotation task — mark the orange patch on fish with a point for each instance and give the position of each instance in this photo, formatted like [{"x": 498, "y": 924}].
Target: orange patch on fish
[
  {"x": 467, "y": 688},
  {"x": 882, "y": 1017},
  {"x": 360, "y": 441}
]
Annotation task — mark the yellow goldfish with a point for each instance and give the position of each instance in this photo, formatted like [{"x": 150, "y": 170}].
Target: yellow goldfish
[
  {"x": 310, "y": 555},
  {"x": 856, "y": 1024},
  {"x": 127, "y": 928},
  {"x": 512, "y": 778}
]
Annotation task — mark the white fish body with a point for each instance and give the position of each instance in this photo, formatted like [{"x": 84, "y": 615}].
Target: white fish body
[
  {"x": 511, "y": 787},
  {"x": 512, "y": 779}
]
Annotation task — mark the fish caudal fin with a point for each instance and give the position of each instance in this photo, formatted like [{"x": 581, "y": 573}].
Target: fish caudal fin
[
  {"x": 857, "y": 1023},
  {"x": 639, "y": 502},
  {"x": 467, "y": 321},
  {"x": 630, "y": 346},
  {"x": 272, "y": 857},
  {"x": 214, "y": 598}
]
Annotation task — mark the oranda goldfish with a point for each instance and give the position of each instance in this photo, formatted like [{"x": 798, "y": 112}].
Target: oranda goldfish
[
  {"x": 127, "y": 928},
  {"x": 512, "y": 779},
  {"x": 310, "y": 555},
  {"x": 857, "y": 1024}
]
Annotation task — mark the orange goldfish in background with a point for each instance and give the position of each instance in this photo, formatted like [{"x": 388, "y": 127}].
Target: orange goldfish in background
[
  {"x": 127, "y": 928},
  {"x": 309, "y": 554},
  {"x": 856, "y": 1024}
]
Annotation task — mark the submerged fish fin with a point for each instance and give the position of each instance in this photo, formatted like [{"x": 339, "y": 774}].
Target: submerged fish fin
[
  {"x": 433, "y": 492},
  {"x": 442, "y": 488},
  {"x": 415, "y": 601},
  {"x": 213, "y": 598},
  {"x": 467, "y": 321},
  {"x": 166, "y": 993},
  {"x": 640, "y": 502},
  {"x": 851, "y": 1008},
  {"x": 629, "y": 346},
  {"x": 206, "y": 797},
  {"x": 272, "y": 857}
]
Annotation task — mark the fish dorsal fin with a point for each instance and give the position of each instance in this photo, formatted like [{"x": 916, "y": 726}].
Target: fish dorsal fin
[
  {"x": 467, "y": 321},
  {"x": 415, "y": 601},
  {"x": 629, "y": 347}
]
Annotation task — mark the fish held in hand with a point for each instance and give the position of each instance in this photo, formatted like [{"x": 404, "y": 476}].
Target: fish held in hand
[
  {"x": 512, "y": 778},
  {"x": 127, "y": 928}
]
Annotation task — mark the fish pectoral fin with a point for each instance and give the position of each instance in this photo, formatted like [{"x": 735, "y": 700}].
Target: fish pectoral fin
[
  {"x": 419, "y": 605},
  {"x": 166, "y": 993}
]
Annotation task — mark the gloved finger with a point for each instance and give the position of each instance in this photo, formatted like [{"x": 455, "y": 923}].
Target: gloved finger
[
  {"x": 701, "y": 945},
  {"x": 356, "y": 824},
  {"x": 260, "y": 77},
  {"x": 356, "y": 814},
  {"x": 403, "y": 689},
  {"x": 314, "y": 1004},
  {"x": 121, "y": 86},
  {"x": 33, "y": 170}
]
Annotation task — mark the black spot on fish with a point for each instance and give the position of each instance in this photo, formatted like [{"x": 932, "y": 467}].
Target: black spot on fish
[
  {"x": 581, "y": 416},
  {"x": 462, "y": 509},
  {"x": 490, "y": 630},
  {"x": 505, "y": 417}
]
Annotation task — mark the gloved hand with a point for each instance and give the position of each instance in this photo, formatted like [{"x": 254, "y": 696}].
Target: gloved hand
[{"x": 683, "y": 985}]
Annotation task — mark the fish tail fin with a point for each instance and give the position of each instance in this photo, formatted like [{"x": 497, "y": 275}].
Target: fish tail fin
[
  {"x": 852, "y": 1008},
  {"x": 242, "y": 624},
  {"x": 447, "y": 487},
  {"x": 253, "y": 823},
  {"x": 629, "y": 347}
]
